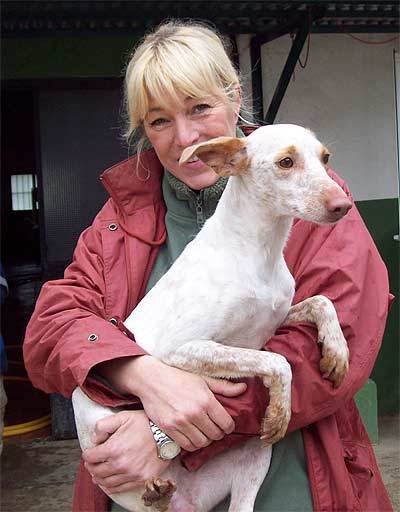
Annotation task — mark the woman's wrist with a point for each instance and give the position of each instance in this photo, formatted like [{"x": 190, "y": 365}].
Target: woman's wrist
[{"x": 128, "y": 375}]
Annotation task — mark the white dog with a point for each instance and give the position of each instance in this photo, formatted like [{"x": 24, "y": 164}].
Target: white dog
[{"x": 226, "y": 294}]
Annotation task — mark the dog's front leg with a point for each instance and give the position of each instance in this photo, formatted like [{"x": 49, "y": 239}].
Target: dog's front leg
[
  {"x": 208, "y": 358},
  {"x": 335, "y": 353}
]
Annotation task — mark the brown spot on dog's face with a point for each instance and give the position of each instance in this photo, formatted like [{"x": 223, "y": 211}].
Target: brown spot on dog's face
[
  {"x": 227, "y": 156},
  {"x": 289, "y": 151},
  {"x": 287, "y": 158}
]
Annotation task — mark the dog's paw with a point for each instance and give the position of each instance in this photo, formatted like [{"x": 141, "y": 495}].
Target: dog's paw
[
  {"x": 275, "y": 423},
  {"x": 158, "y": 493},
  {"x": 334, "y": 363}
]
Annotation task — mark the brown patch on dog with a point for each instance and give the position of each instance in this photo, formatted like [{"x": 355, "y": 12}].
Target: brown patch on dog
[
  {"x": 158, "y": 493},
  {"x": 290, "y": 151},
  {"x": 227, "y": 156}
]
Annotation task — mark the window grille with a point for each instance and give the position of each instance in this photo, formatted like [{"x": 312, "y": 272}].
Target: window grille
[{"x": 22, "y": 192}]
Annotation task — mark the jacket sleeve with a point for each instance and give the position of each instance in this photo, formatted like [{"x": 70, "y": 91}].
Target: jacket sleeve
[
  {"x": 69, "y": 332},
  {"x": 342, "y": 263}
]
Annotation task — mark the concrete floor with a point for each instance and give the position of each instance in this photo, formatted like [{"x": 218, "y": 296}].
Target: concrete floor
[{"x": 38, "y": 474}]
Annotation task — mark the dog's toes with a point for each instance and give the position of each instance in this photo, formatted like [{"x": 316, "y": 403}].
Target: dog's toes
[
  {"x": 334, "y": 366},
  {"x": 158, "y": 493},
  {"x": 274, "y": 427},
  {"x": 339, "y": 373}
]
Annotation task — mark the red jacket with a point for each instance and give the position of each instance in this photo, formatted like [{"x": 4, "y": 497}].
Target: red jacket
[{"x": 107, "y": 278}]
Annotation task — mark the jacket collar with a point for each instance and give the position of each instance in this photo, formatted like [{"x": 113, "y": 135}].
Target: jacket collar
[{"x": 134, "y": 183}]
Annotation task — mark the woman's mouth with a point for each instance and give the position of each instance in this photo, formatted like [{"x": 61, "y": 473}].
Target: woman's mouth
[{"x": 194, "y": 163}]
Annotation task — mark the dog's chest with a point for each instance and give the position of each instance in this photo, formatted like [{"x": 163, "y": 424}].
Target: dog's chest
[
  {"x": 253, "y": 314},
  {"x": 221, "y": 301}
]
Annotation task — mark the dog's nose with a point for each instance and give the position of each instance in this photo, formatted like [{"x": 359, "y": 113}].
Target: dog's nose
[{"x": 338, "y": 206}]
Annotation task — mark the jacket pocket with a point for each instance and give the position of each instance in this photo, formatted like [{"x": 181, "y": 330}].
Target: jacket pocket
[{"x": 357, "y": 458}]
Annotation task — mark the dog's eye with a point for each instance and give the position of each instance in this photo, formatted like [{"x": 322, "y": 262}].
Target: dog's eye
[
  {"x": 286, "y": 163},
  {"x": 325, "y": 158}
]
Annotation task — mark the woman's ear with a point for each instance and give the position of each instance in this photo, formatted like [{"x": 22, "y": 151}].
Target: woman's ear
[{"x": 227, "y": 156}]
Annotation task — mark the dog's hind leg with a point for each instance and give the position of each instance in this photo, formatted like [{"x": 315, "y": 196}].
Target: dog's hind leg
[
  {"x": 251, "y": 469},
  {"x": 238, "y": 471}
]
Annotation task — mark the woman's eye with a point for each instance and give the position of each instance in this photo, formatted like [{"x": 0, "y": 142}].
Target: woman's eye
[
  {"x": 325, "y": 158},
  {"x": 286, "y": 163},
  {"x": 158, "y": 123},
  {"x": 201, "y": 108}
]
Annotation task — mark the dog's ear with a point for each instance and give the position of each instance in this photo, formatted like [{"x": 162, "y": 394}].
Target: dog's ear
[{"x": 227, "y": 156}]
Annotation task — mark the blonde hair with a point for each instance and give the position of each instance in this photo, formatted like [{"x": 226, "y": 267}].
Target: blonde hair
[{"x": 178, "y": 57}]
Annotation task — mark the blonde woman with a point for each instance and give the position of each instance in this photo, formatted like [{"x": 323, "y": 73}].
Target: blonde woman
[{"x": 181, "y": 89}]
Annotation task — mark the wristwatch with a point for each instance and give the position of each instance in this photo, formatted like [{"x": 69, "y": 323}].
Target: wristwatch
[{"x": 167, "y": 448}]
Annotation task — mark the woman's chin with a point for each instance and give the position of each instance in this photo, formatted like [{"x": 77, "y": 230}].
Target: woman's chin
[{"x": 196, "y": 179}]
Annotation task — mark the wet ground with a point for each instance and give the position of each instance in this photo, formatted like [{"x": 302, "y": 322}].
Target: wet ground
[{"x": 38, "y": 474}]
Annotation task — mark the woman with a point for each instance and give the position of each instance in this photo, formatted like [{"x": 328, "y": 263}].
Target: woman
[{"x": 181, "y": 88}]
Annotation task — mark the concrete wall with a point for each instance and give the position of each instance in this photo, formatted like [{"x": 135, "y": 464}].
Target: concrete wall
[{"x": 346, "y": 95}]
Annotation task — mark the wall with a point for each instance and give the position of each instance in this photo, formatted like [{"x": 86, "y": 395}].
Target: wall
[{"x": 346, "y": 95}]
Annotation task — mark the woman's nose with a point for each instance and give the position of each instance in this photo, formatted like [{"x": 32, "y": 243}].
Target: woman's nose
[{"x": 186, "y": 132}]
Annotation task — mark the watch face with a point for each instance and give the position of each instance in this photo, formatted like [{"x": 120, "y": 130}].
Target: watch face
[{"x": 169, "y": 450}]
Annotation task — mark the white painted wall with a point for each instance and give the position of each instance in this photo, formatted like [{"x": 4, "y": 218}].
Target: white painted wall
[{"x": 346, "y": 95}]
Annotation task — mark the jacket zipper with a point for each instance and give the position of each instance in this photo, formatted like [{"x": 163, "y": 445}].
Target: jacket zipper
[{"x": 199, "y": 209}]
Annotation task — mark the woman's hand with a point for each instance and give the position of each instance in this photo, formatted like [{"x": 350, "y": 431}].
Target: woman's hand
[
  {"x": 180, "y": 403},
  {"x": 125, "y": 455}
]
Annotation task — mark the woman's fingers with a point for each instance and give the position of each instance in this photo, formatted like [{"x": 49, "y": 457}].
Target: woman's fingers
[
  {"x": 101, "y": 470},
  {"x": 115, "y": 481},
  {"x": 201, "y": 431},
  {"x": 107, "y": 426},
  {"x": 190, "y": 438},
  {"x": 182, "y": 440},
  {"x": 210, "y": 430},
  {"x": 125, "y": 487},
  {"x": 225, "y": 387},
  {"x": 219, "y": 416},
  {"x": 96, "y": 455}
]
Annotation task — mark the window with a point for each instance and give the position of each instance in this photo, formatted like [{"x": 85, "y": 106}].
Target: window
[{"x": 23, "y": 188}]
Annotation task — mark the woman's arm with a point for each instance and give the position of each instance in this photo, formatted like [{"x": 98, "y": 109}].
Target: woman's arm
[
  {"x": 70, "y": 342},
  {"x": 70, "y": 333}
]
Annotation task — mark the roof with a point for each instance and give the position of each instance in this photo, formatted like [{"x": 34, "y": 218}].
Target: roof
[{"x": 23, "y": 18}]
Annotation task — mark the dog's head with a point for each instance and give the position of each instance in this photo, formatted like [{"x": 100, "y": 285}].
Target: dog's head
[{"x": 286, "y": 167}]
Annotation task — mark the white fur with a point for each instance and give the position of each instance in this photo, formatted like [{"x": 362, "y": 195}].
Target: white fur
[{"x": 223, "y": 298}]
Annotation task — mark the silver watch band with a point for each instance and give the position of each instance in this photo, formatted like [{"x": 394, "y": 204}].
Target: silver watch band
[{"x": 161, "y": 438}]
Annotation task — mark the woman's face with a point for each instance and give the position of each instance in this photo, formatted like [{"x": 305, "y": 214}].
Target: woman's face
[{"x": 172, "y": 127}]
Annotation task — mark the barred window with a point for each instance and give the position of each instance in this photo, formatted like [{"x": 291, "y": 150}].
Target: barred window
[{"x": 22, "y": 192}]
